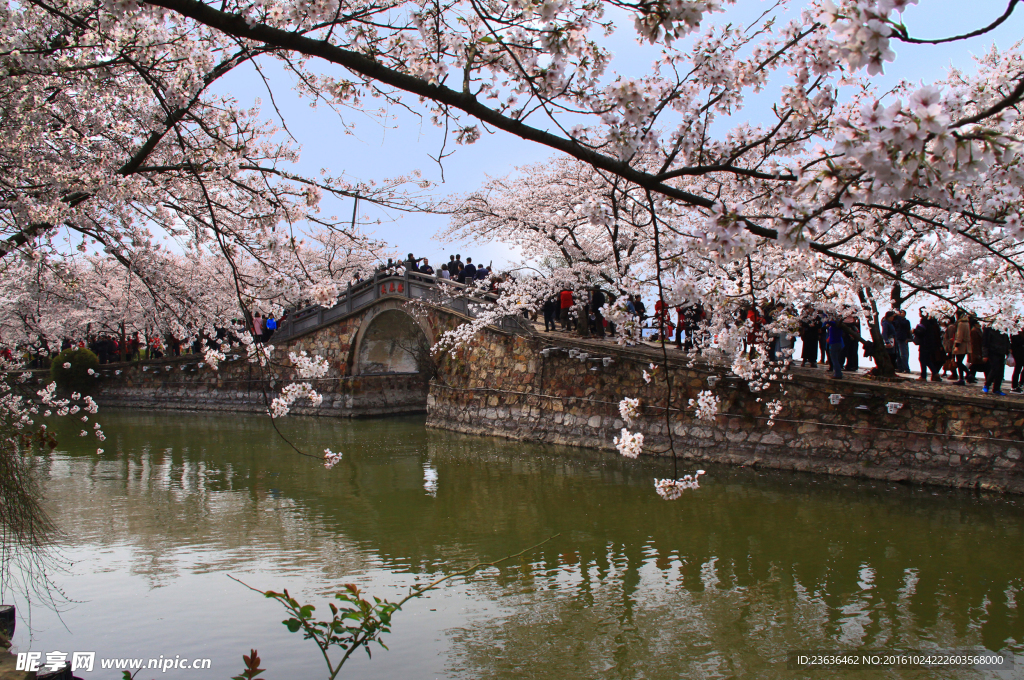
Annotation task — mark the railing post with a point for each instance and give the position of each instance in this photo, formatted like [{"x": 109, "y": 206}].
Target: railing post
[
  {"x": 407, "y": 293},
  {"x": 349, "y": 297},
  {"x": 375, "y": 293}
]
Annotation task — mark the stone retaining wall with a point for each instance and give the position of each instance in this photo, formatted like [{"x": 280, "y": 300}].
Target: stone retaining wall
[
  {"x": 503, "y": 386},
  {"x": 186, "y": 384},
  {"x": 359, "y": 397}
]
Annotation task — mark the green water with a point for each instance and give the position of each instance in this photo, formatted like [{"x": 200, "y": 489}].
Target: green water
[{"x": 722, "y": 583}]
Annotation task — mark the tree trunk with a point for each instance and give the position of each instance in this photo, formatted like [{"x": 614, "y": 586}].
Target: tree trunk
[
  {"x": 896, "y": 296},
  {"x": 883, "y": 361}
]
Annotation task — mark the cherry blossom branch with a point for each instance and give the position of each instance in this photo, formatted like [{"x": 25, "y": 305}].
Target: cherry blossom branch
[{"x": 902, "y": 33}]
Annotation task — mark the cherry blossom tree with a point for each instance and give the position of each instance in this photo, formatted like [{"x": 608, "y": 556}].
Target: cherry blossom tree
[
  {"x": 86, "y": 296},
  {"x": 597, "y": 228},
  {"x": 543, "y": 71},
  {"x": 116, "y": 145},
  {"x": 542, "y": 63},
  {"x": 832, "y": 169}
]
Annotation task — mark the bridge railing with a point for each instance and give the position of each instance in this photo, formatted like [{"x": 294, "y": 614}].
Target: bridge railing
[{"x": 410, "y": 285}]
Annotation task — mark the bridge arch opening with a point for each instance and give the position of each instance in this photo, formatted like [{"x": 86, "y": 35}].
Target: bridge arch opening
[{"x": 391, "y": 341}]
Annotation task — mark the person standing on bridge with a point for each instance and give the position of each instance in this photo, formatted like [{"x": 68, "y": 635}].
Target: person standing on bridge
[
  {"x": 852, "y": 340},
  {"x": 689, "y": 322},
  {"x": 948, "y": 341},
  {"x": 889, "y": 338},
  {"x": 976, "y": 361},
  {"x": 425, "y": 268},
  {"x": 550, "y": 312},
  {"x": 597, "y": 301},
  {"x": 810, "y": 328},
  {"x": 469, "y": 272},
  {"x": 903, "y": 335},
  {"x": 664, "y": 321},
  {"x": 834, "y": 341},
  {"x": 961, "y": 347},
  {"x": 641, "y": 309},
  {"x": 995, "y": 345},
  {"x": 1017, "y": 352},
  {"x": 928, "y": 338},
  {"x": 257, "y": 328},
  {"x": 756, "y": 322},
  {"x": 565, "y": 304}
]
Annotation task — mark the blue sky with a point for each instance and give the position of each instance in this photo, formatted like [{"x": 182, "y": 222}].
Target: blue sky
[{"x": 373, "y": 151}]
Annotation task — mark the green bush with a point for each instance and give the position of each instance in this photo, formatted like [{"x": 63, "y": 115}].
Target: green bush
[{"x": 76, "y": 377}]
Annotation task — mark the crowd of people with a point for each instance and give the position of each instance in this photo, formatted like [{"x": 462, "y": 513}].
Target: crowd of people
[
  {"x": 453, "y": 270},
  {"x": 954, "y": 348},
  {"x": 577, "y": 311},
  {"x": 264, "y": 327},
  {"x": 108, "y": 348},
  {"x": 582, "y": 312},
  {"x": 139, "y": 345},
  {"x": 959, "y": 348}
]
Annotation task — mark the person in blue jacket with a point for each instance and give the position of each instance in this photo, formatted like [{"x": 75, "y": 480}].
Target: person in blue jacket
[{"x": 834, "y": 342}]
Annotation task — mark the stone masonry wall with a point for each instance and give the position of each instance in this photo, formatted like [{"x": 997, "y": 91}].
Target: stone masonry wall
[
  {"x": 502, "y": 385},
  {"x": 186, "y": 384}
]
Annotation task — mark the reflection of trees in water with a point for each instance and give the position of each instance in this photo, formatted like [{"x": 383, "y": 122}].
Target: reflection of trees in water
[
  {"x": 204, "y": 497},
  {"x": 752, "y": 565},
  {"x": 641, "y": 613},
  {"x": 759, "y": 563}
]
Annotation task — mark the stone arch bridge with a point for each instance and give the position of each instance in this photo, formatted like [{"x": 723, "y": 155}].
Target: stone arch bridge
[
  {"x": 376, "y": 340},
  {"x": 384, "y": 325}
]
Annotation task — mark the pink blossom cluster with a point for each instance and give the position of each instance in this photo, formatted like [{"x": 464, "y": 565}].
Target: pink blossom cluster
[
  {"x": 629, "y": 444},
  {"x": 629, "y": 409},
  {"x": 290, "y": 393},
  {"x": 308, "y": 367},
  {"x": 672, "y": 489},
  {"x": 705, "y": 405},
  {"x": 331, "y": 458}
]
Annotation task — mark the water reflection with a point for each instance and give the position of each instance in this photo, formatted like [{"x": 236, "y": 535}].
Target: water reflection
[
  {"x": 430, "y": 479},
  {"x": 721, "y": 583}
]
